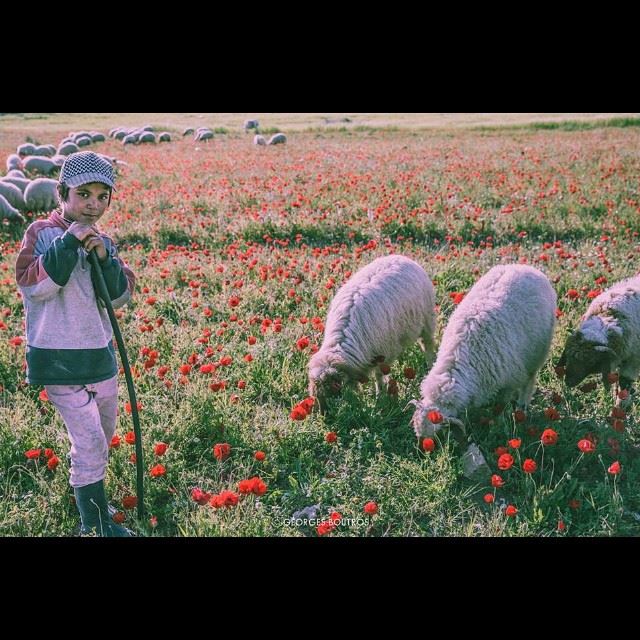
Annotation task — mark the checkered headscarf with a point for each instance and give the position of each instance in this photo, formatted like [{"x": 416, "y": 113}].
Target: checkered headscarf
[{"x": 84, "y": 167}]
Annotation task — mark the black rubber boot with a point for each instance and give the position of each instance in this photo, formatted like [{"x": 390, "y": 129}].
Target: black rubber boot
[{"x": 94, "y": 512}]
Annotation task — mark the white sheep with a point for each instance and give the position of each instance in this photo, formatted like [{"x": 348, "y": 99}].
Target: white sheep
[
  {"x": 188, "y": 131},
  {"x": 382, "y": 309},
  {"x": 250, "y": 124},
  {"x": 12, "y": 194},
  {"x": 39, "y": 165},
  {"x": 45, "y": 150},
  {"x": 203, "y": 134},
  {"x": 608, "y": 339},
  {"x": 21, "y": 183},
  {"x": 277, "y": 138},
  {"x": 9, "y": 212},
  {"x": 96, "y": 136},
  {"x": 259, "y": 140},
  {"x": 41, "y": 195},
  {"x": 147, "y": 136},
  {"x": 14, "y": 162},
  {"x": 67, "y": 148},
  {"x": 165, "y": 136},
  {"x": 26, "y": 149},
  {"x": 494, "y": 344}
]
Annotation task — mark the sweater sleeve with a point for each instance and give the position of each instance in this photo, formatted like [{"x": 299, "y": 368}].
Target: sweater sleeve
[
  {"x": 118, "y": 277},
  {"x": 44, "y": 267},
  {"x": 61, "y": 257}
]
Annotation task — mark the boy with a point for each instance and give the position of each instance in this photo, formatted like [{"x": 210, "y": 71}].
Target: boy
[{"x": 69, "y": 337}]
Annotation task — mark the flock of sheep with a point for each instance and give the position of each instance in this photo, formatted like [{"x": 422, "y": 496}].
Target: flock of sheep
[
  {"x": 23, "y": 188},
  {"x": 493, "y": 347},
  {"x": 29, "y": 185}
]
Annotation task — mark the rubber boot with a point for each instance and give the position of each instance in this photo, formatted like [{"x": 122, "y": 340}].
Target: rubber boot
[{"x": 94, "y": 512}]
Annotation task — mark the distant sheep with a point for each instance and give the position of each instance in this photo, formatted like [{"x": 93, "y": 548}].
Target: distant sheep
[
  {"x": 21, "y": 183},
  {"x": 96, "y": 136},
  {"x": 147, "y": 136},
  {"x": 14, "y": 162},
  {"x": 83, "y": 141},
  {"x": 494, "y": 344},
  {"x": 259, "y": 140},
  {"x": 67, "y": 148},
  {"x": 204, "y": 134},
  {"x": 188, "y": 131},
  {"x": 12, "y": 194},
  {"x": 608, "y": 339},
  {"x": 165, "y": 136},
  {"x": 45, "y": 150},
  {"x": 41, "y": 195},
  {"x": 382, "y": 309},
  {"x": 39, "y": 165},
  {"x": 26, "y": 149},
  {"x": 278, "y": 138},
  {"x": 9, "y": 212},
  {"x": 250, "y": 124}
]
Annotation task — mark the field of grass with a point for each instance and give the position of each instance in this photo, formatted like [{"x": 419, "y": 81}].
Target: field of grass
[{"x": 238, "y": 250}]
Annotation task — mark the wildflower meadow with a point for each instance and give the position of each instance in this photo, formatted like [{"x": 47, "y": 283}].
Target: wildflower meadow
[{"x": 238, "y": 250}]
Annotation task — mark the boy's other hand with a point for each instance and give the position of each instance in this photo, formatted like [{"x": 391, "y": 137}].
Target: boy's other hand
[{"x": 95, "y": 242}]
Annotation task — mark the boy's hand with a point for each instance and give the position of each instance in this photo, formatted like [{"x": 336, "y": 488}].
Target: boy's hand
[
  {"x": 81, "y": 230},
  {"x": 97, "y": 243}
]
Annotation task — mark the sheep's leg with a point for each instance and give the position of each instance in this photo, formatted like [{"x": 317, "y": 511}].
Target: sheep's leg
[
  {"x": 379, "y": 381},
  {"x": 525, "y": 394},
  {"x": 626, "y": 383},
  {"x": 428, "y": 347}
]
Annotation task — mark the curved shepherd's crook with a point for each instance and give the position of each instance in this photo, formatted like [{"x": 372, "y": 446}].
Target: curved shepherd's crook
[{"x": 104, "y": 294}]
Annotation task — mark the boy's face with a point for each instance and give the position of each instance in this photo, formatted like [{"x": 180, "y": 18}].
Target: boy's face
[{"x": 87, "y": 202}]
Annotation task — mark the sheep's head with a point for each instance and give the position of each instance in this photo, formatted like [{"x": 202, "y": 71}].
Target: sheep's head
[
  {"x": 427, "y": 420},
  {"x": 582, "y": 357}
]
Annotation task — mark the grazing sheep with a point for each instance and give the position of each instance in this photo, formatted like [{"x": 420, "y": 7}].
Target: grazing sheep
[
  {"x": 15, "y": 173},
  {"x": 278, "y": 138},
  {"x": 608, "y": 338},
  {"x": 259, "y": 140},
  {"x": 250, "y": 124},
  {"x": 66, "y": 148},
  {"x": 165, "y": 136},
  {"x": 188, "y": 131},
  {"x": 26, "y": 149},
  {"x": 120, "y": 134},
  {"x": 21, "y": 183},
  {"x": 39, "y": 165},
  {"x": 41, "y": 195},
  {"x": 9, "y": 212},
  {"x": 382, "y": 309},
  {"x": 14, "y": 162},
  {"x": 12, "y": 194},
  {"x": 83, "y": 141},
  {"x": 45, "y": 150},
  {"x": 130, "y": 139},
  {"x": 205, "y": 134},
  {"x": 96, "y": 136},
  {"x": 495, "y": 343}
]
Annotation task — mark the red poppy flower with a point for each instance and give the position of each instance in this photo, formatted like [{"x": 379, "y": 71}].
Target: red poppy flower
[
  {"x": 52, "y": 463},
  {"x": 115, "y": 442},
  {"x": 505, "y": 461},
  {"x": 529, "y": 465},
  {"x": 158, "y": 471},
  {"x": 371, "y": 508},
  {"x": 488, "y": 498},
  {"x": 130, "y": 437},
  {"x": 586, "y": 446},
  {"x": 129, "y": 502},
  {"x": 515, "y": 443},
  {"x": 32, "y": 454},
  {"x": 435, "y": 417},
  {"x": 221, "y": 451},
  {"x": 332, "y": 436},
  {"x": 615, "y": 468},
  {"x": 160, "y": 448},
  {"x": 549, "y": 437},
  {"x": 510, "y": 511},
  {"x": 259, "y": 456},
  {"x": 496, "y": 481},
  {"x": 428, "y": 444}
]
